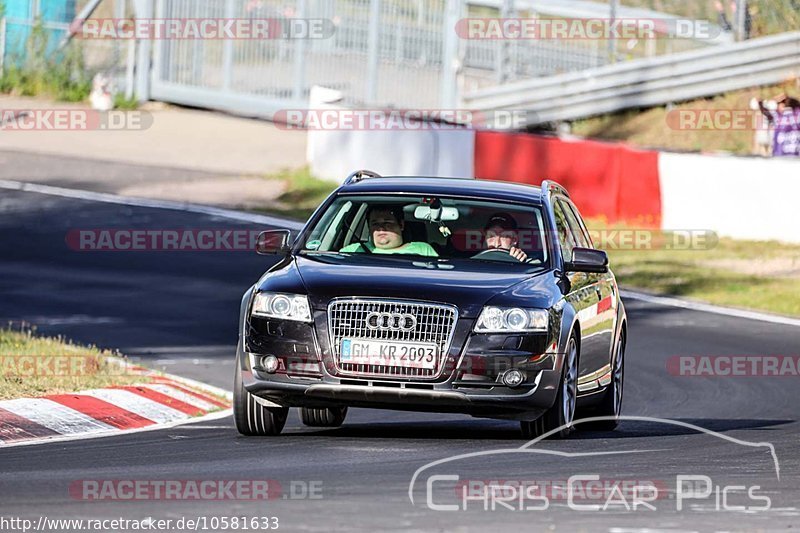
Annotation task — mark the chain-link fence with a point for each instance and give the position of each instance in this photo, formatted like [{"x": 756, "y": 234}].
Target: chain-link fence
[{"x": 404, "y": 53}]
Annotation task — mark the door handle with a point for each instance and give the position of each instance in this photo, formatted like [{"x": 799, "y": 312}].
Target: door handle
[{"x": 599, "y": 293}]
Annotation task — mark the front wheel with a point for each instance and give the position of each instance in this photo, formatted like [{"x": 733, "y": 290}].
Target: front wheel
[
  {"x": 610, "y": 406},
  {"x": 251, "y": 417},
  {"x": 561, "y": 414}
]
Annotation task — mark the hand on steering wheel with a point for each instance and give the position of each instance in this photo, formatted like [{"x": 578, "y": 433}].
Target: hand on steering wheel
[{"x": 518, "y": 254}]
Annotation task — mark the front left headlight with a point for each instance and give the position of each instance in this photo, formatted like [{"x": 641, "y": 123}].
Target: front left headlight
[
  {"x": 512, "y": 320},
  {"x": 282, "y": 305}
]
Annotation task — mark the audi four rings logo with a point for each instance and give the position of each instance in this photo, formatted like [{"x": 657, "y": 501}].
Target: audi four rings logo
[{"x": 391, "y": 321}]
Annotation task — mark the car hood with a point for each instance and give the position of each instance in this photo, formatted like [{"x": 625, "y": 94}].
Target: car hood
[{"x": 328, "y": 277}]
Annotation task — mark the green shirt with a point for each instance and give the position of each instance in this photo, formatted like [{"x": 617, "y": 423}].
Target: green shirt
[{"x": 412, "y": 248}]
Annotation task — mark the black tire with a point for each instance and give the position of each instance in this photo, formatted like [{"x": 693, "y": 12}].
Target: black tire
[
  {"x": 611, "y": 404},
  {"x": 252, "y": 418},
  {"x": 562, "y": 413},
  {"x": 325, "y": 417}
]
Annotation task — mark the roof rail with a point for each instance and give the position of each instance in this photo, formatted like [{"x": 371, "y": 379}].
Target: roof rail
[
  {"x": 549, "y": 186},
  {"x": 359, "y": 175}
]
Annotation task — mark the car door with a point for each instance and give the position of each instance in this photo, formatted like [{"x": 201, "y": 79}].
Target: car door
[
  {"x": 598, "y": 321},
  {"x": 582, "y": 293}
]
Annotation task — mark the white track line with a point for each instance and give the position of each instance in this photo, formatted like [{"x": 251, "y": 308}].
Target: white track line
[
  {"x": 53, "y": 415},
  {"x": 708, "y": 308},
  {"x": 155, "y": 204},
  {"x": 145, "y": 407}
]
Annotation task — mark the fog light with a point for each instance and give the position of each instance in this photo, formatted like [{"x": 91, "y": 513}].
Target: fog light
[
  {"x": 513, "y": 378},
  {"x": 269, "y": 363}
]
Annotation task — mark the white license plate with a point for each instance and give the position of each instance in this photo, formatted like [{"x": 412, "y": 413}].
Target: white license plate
[{"x": 389, "y": 353}]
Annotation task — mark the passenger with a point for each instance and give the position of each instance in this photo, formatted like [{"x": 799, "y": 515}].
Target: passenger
[{"x": 386, "y": 228}]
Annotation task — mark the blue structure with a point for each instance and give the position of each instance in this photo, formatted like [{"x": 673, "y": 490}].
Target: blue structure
[{"x": 21, "y": 16}]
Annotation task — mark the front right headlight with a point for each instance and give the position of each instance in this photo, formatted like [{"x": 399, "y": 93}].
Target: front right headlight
[
  {"x": 282, "y": 305},
  {"x": 512, "y": 320}
]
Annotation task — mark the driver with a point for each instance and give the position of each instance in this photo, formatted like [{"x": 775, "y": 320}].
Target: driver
[
  {"x": 501, "y": 234},
  {"x": 386, "y": 228}
]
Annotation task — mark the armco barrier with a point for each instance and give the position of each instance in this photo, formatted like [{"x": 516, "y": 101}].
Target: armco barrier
[
  {"x": 647, "y": 82},
  {"x": 605, "y": 180}
]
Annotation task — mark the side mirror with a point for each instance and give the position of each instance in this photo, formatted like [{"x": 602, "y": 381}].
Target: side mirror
[
  {"x": 587, "y": 260},
  {"x": 273, "y": 242}
]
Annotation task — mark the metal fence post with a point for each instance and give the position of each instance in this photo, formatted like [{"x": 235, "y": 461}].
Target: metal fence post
[
  {"x": 227, "y": 49},
  {"x": 612, "y": 41},
  {"x": 504, "y": 57},
  {"x": 143, "y": 9},
  {"x": 448, "y": 97},
  {"x": 299, "y": 73},
  {"x": 741, "y": 20},
  {"x": 373, "y": 49}
]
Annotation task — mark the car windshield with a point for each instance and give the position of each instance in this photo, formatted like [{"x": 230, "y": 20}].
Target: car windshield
[{"x": 434, "y": 227}]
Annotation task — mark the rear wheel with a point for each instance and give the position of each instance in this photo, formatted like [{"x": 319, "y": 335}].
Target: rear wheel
[
  {"x": 326, "y": 417},
  {"x": 251, "y": 417},
  {"x": 611, "y": 404},
  {"x": 562, "y": 413}
]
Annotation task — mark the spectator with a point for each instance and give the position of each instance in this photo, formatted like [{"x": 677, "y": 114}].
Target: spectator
[{"x": 784, "y": 118}]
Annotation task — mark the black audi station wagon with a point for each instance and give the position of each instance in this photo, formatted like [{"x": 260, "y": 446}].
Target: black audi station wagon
[{"x": 433, "y": 294}]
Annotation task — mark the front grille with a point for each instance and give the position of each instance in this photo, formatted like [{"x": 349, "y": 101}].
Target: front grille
[{"x": 434, "y": 323}]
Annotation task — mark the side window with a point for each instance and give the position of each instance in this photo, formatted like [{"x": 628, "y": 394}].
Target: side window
[
  {"x": 586, "y": 235},
  {"x": 565, "y": 237},
  {"x": 575, "y": 227}
]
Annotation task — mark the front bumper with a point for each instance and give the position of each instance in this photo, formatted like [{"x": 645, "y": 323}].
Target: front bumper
[{"x": 470, "y": 381}]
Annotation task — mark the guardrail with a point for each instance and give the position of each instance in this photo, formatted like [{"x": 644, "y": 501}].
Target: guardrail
[{"x": 646, "y": 82}]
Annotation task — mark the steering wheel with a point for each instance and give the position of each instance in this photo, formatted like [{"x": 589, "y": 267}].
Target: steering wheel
[{"x": 496, "y": 254}]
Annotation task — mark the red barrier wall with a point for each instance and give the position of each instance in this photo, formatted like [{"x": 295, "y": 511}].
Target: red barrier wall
[{"x": 604, "y": 180}]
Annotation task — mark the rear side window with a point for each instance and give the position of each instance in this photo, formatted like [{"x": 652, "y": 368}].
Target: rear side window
[{"x": 579, "y": 236}]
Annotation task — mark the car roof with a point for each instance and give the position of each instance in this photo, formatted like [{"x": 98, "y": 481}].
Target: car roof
[{"x": 489, "y": 189}]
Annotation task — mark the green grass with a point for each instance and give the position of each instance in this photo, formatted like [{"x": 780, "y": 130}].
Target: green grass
[
  {"x": 32, "y": 366},
  {"x": 44, "y": 72},
  {"x": 302, "y": 194},
  {"x": 649, "y": 127},
  {"x": 125, "y": 104},
  {"x": 745, "y": 274}
]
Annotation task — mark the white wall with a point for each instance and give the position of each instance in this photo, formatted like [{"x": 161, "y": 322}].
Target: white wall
[
  {"x": 335, "y": 154},
  {"x": 741, "y": 197}
]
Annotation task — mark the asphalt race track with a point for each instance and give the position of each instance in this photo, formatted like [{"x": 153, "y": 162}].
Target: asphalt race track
[{"x": 178, "y": 311}]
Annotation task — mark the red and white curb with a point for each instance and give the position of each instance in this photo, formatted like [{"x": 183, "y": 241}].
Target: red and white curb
[{"x": 163, "y": 401}]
